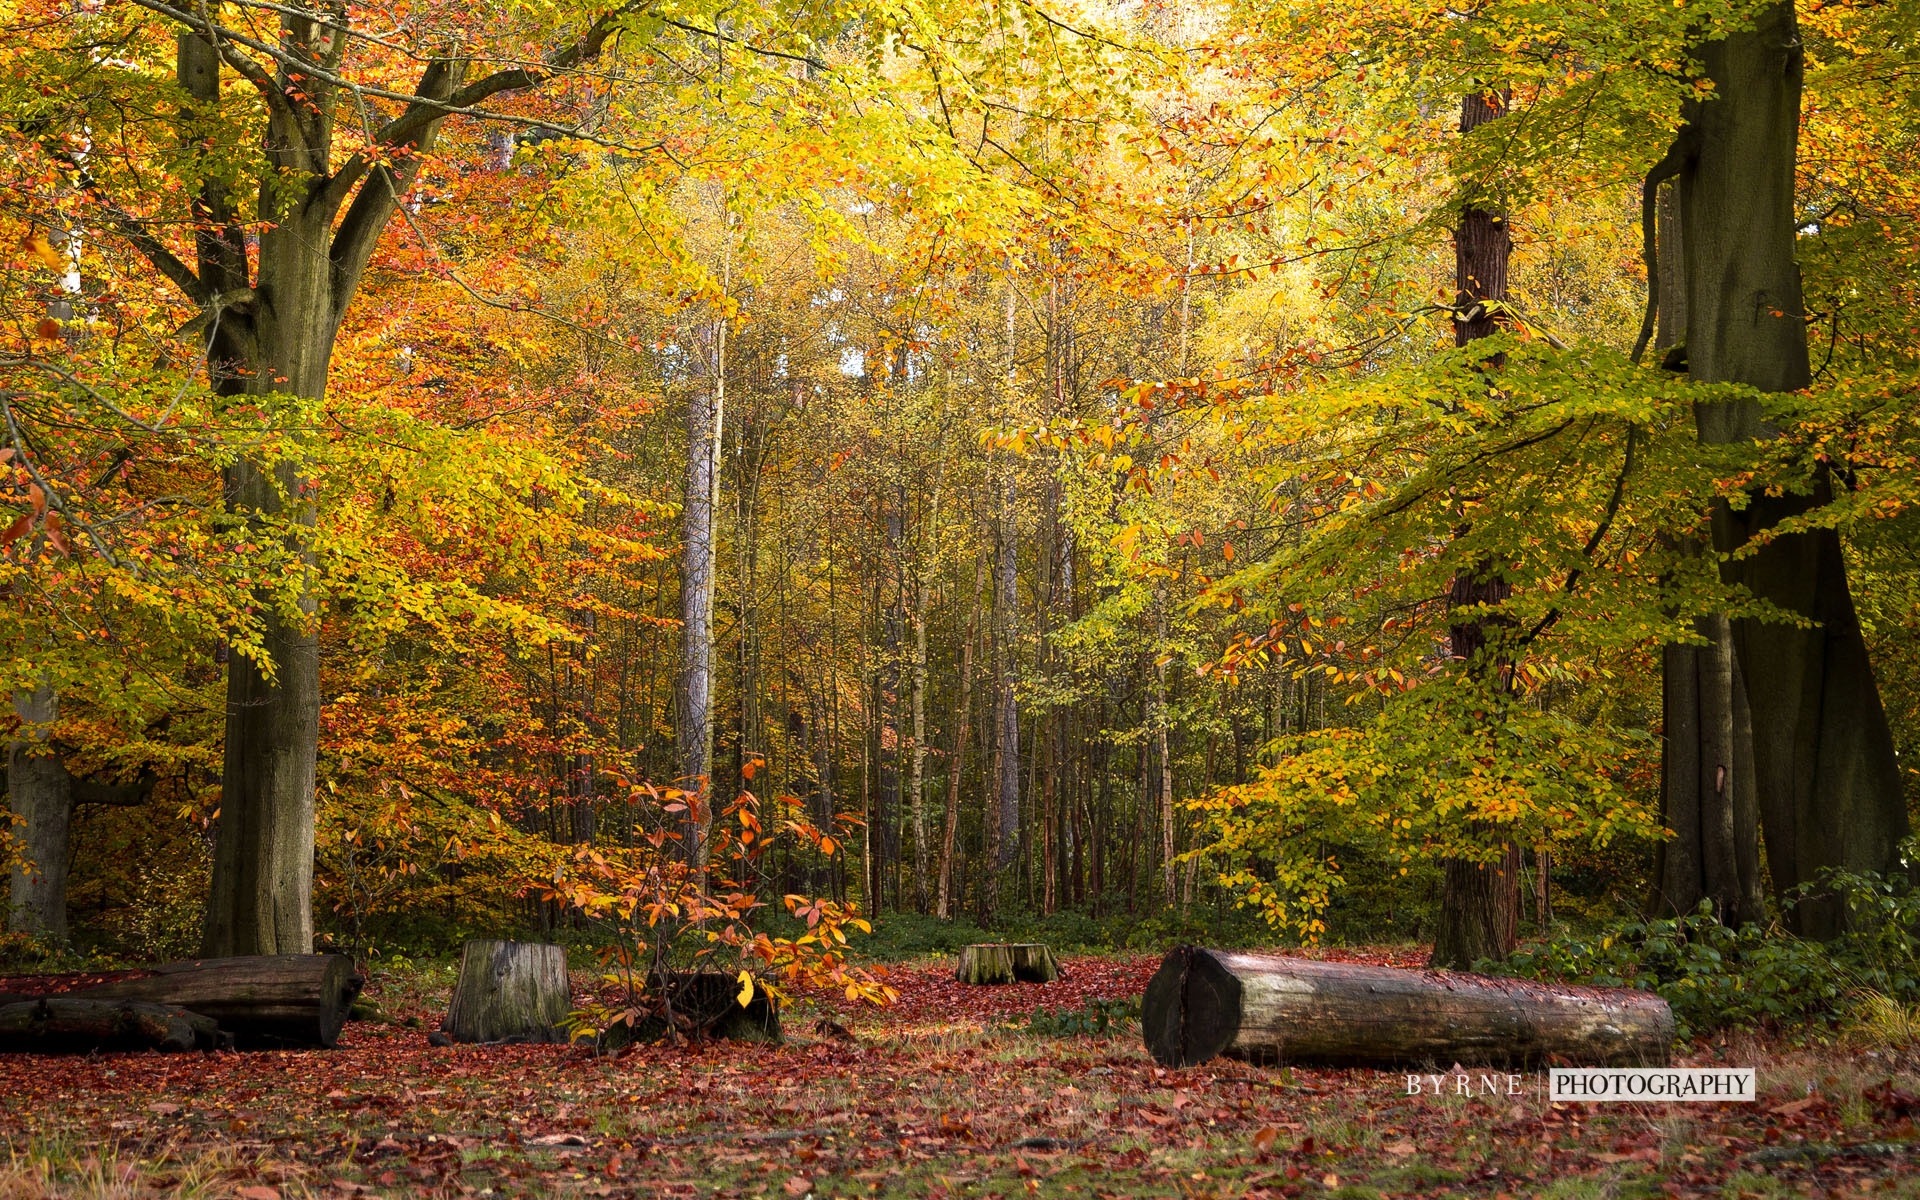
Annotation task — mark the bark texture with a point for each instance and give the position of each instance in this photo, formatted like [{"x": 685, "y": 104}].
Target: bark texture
[
  {"x": 1002, "y": 962},
  {"x": 510, "y": 992},
  {"x": 1479, "y": 912},
  {"x": 694, "y": 737},
  {"x": 1204, "y": 1003},
  {"x": 1006, "y": 603},
  {"x": 1827, "y": 781},
  {"x": 39, "y": 791},
  {"x": 77, "y": 1025},
  {"x": 262, "y": 1000}
]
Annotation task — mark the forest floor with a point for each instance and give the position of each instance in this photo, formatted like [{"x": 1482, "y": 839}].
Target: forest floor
[{"x": 954, "y": 1091}]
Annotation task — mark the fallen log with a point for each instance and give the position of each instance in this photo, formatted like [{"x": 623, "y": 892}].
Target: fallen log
[
  {"x": 75, "y": 1025},
  {"x": 263, "y": 1000},
  {"x": 510, "y": 992},
  {"x": 1004, "y": 962},
  {"x": 1272, "y": 1009}
]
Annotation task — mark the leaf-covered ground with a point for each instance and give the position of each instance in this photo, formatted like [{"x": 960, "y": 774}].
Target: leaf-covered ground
[{"x": 949, "y": 1093}]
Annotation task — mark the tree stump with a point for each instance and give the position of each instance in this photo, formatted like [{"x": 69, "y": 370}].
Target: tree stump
[
  {"x": 1007, "y": 962},
  {"x": 1203, "y": 1003},
  {"x": 510, "y": 992}
]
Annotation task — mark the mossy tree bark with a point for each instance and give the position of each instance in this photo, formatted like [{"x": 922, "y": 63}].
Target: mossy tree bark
[
  {"x": 510, "y": 992},
  {"x": 1001, "y": 962},
  {"x": 1827, "y": 781},
  {"x": 39, "y": 792}
]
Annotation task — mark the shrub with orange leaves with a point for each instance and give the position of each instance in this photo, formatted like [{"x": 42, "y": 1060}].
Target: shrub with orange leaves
[{"x": 673, "y": 925}]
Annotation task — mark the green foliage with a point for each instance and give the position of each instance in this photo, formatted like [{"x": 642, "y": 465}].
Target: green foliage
[
  {"x": 1451, "y": 769},
  {"x": 1097, "y": 1018},
  {"x": 25, "y": 954},
  {"x": 1716, "y": 977},
  {"x": 904, "y": 935}
]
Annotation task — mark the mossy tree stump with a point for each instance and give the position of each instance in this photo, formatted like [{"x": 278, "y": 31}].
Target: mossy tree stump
[
  {"x": 510, "y": 992},
  {"x": 1007, "y": 962}
]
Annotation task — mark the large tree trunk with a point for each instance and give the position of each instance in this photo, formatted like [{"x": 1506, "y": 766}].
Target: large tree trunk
[
  {"x": 1479, "y": 915},
  {"x": 39, "y": 792},
  {"x": 1828, "y": 782},
  {"x": 1205, "y": 1003},
  {"x": 262, "y": 885},
  {"x": 1706, "y": 775},
  {"x": 268, "y": 316}
]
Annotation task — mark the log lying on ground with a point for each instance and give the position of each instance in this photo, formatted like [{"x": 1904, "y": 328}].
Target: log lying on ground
[
  {"x": 1002, "y": 962},
  {"x": 510, "y": 992},
  {"x": 263, "y": 1000},
  {"x": 1203, "y": 1003},
  {"x": 75, "y": 1025}
]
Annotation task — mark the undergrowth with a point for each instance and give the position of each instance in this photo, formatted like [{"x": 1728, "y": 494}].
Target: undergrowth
[{"x": 1716, "y": 977}]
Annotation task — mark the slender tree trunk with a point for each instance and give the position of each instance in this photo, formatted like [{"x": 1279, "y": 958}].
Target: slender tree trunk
[
  {"x": 694, "y": 740},
  {"x": 1162, "y": 750},
  {"x": 922, "y": 599},
  {"x": 956, "y": 757},
  {"x": 1479, "y": 901},
  {"x": 1828, "y": 783},
  {"x": 1006, "y": 601},
  {"x": 41, "y": 795}
]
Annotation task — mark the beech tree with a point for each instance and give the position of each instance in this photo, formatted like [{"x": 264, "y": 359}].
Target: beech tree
[{"x": 1828, "y": 783}]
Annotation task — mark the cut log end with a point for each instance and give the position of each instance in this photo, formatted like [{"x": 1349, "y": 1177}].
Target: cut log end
[
  {"x": 1202, "y": 1004},
  {"x": 1191, "y": 1012}
]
